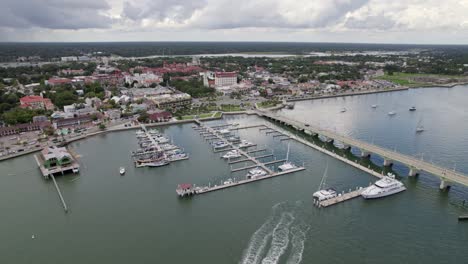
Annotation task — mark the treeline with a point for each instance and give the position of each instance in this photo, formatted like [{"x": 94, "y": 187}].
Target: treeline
[
  {"x": 47, "y": 51},
  {"x": 193, "y": 87}
]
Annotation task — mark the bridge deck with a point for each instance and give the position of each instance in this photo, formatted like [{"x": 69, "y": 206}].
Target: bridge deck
[{"x": 412, "y": 162}]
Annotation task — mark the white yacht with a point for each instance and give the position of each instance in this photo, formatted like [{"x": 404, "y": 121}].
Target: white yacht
[
  {"x": 325, "y": 194},
  {"x": 343, "y": 110},
  {"x": 232, "y": 154},
  {"x": 374, "y": 106},
  {"x": 391, "y": 113},
  {"x": 255, "y": 173},
  {"x": 122, "y": 170},
  {"x": 229, "y": 181},
  {"x": 386, "y": 186}
]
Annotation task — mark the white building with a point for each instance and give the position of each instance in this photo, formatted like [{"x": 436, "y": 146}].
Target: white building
[
  {"x": 69, "y": 58},
  {"x": 219, "y": 79}
]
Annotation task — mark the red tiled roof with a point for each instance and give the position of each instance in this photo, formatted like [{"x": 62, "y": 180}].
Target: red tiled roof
[{"x": 225, "y": 74}]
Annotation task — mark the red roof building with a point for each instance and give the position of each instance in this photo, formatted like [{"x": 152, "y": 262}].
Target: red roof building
[
  {"x": 58, "y": 81},
  {"x": 160, "y": 117},
  {"x": 36, "y": 102}
]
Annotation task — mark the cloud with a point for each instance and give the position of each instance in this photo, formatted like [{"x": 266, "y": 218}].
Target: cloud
[
  {"x": 372, "y": 22},
  {"x": 161, "y": 10},
  {"x": 55, "y": 14}
]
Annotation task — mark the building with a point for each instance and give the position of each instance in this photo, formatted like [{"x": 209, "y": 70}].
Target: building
[
  {"x": 159, "y": 117},
  {"x": 219, "y": 79},
  {"x": 113, "y": 114},
  {"x": 78, "y": 109},
  {"x": 40, "y": 118},
  {"x": 13, "y": 130},
  {"x": 58, "y": 81},
  {"x": 36, "y": 102},
  {"x": 54, "y": 160},
  {"x": 75, "y": 121},
  {"x": 69, "y": 58}
]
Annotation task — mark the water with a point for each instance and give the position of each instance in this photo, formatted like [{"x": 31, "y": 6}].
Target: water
[{"x": 137, "y": 218}]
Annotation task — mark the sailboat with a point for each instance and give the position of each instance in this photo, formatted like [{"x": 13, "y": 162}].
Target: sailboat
[
  {"x": 287, "y": 165},
  {"x": 419, "y": 127},
  {"x": 324, "y": 194}
]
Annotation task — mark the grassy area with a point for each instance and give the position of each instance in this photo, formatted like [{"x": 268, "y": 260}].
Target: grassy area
[
  {"x": 268, "y": 104},
  {"x": 408, "y": 79},
  {"x": 218, "y": 114},
  {"x": 204, "y": 115},
  {"x": 231, "y": 108}
]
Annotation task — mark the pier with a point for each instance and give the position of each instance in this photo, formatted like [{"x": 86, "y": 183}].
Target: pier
[
  {"x": 65, "y": 207},
  {"x": 415, "y": 165},
  {"x": 189, "y": 190},
  {"x": 341, "y": 198}
]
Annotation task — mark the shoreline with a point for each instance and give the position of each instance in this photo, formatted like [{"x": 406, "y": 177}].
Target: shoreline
[{"x": 347, "y": 94}]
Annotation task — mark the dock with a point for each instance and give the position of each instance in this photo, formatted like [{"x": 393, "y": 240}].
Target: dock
[
  {"x": 65, "y": 207},
  {"x": 341, "y": 198},
  {"x": 463, "y": 218},
  {"x": 189, "y": 190}
]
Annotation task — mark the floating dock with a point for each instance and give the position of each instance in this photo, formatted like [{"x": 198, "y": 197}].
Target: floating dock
[
  {"x": 341, "y": 198},
  {"x": 188, "y": 189}
]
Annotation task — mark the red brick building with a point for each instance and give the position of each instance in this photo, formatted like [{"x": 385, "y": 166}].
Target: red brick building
[{"x": 36, "y": 102}]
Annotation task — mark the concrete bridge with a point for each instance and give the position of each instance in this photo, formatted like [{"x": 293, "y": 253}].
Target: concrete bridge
[{"x": 415, "y": 165}]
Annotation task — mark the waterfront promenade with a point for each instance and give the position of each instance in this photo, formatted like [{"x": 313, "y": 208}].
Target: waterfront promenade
[{"x": 415, "y": 165}]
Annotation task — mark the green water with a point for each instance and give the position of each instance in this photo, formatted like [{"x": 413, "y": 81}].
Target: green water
[{"x": 138, "y": 218}]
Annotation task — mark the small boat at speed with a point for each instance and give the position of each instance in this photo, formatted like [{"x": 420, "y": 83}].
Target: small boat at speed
[
  {"x": 122, "y": 170},
  {"x": 386, "y": 186},
  {"x": 391, "y": 113}
]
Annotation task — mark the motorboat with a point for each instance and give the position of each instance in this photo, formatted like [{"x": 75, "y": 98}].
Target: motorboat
[
  {"x": 229, "y": 181},
  {"x": 325, "y": 194},
  {"x": 158, "y": 163},
  {"x": 220, "y": 144},
  {"x": 245, "y": 144},
  {"x": 233, "y": 139},
  {"x": 122, "y": 170},
  {"x": 287, "y": 166},
  {"x": 177, "y": 156},
  {"x": 255, "y": 173},
  {"x": 161, "y": 140},
  {"x": 374, "y": 106},
  {"x": 386, "y": 186},
  {"x": 343, "y": 110},
  {"x": 391, "y": 113},
  {"x": 232, "y": 154},
  {"x": 224, "y": 131},
  {"x": 413, "y": 108},
  {"x": 75, "y": 170}
]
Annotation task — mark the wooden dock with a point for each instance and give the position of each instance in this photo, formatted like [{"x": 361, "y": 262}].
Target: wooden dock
[
  {"x": 341, "y": 198},
  {"x": 203, "y": 190}
]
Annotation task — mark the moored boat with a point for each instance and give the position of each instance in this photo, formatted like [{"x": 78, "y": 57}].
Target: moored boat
[
  {"x": 255, "y": 173},
  {"x": 122, "y": 170},
  {"x": 386, "y": 186}
]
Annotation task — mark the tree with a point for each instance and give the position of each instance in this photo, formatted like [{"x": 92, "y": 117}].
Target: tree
[
  {"x": 102, "y": 126},
  {"x": 64, "y": 98},
  {"x": 143, "y": 118}
]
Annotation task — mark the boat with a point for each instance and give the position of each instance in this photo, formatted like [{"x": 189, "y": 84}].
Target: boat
[
  {"x": 413, "y": 108},
  {"x": 287, "y": 165},
  {"x": 255, "y": 173},
  {"x": 224, "y": 131},
  {"x": 324, "y": 194},
  {"x": 343, "y": 110},
  {"x": 220, "y": 144},
  {"x": 245, "y": 144},
  {"x": 140, "y": 132},
  {"x": 233, "y": 139},
  {"x": 75, "y": 170},
  {"x": 374, "y": 106},
  {"x": 391, "y": 113},
  {"x": 161, "y": 140},
  {"x": 386, "y": 186},
  {"x": 122, "y": 170},
  {"x": 154, "y": 164},
  {"x": 177, "y": 156},
  {"x": 232, "y": 154},
  {"x": 463, "y": 218},
  {"x": 229, "y": 181}
]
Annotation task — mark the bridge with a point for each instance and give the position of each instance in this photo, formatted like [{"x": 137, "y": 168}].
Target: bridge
[{"x": 415, "y": 165}]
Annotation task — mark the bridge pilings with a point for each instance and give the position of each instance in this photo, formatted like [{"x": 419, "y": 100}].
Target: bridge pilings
[
  {"x": 444, "y": 184},
  {"x": 413, "y": 172},
  {"x": 387, "y": 162}
]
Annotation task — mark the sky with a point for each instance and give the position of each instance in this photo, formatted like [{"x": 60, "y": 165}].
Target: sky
[{"x": 352, "y": 21}]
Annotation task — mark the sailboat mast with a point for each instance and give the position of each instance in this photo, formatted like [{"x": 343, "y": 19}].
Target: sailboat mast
[{"x": 287, "y": 153}]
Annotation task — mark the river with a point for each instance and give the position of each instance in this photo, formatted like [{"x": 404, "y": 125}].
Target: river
[{"x": 138, "y": 218}]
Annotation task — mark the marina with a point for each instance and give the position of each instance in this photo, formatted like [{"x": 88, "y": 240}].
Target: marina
[{"x": 189, "y": 189}]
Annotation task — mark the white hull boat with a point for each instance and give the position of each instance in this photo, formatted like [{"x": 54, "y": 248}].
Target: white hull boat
[{"x": 386, "y": 186}]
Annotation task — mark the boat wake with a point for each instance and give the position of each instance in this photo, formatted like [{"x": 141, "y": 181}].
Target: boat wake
[{"x": 269, "y": 243}]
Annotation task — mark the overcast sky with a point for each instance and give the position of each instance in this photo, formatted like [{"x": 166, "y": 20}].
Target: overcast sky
[{"x": 379, "y": 21}]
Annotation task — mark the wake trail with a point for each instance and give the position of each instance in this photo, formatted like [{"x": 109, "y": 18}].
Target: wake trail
[
  {"x": 280, "y": 239},
  {"x": 297, "y": 247}
]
